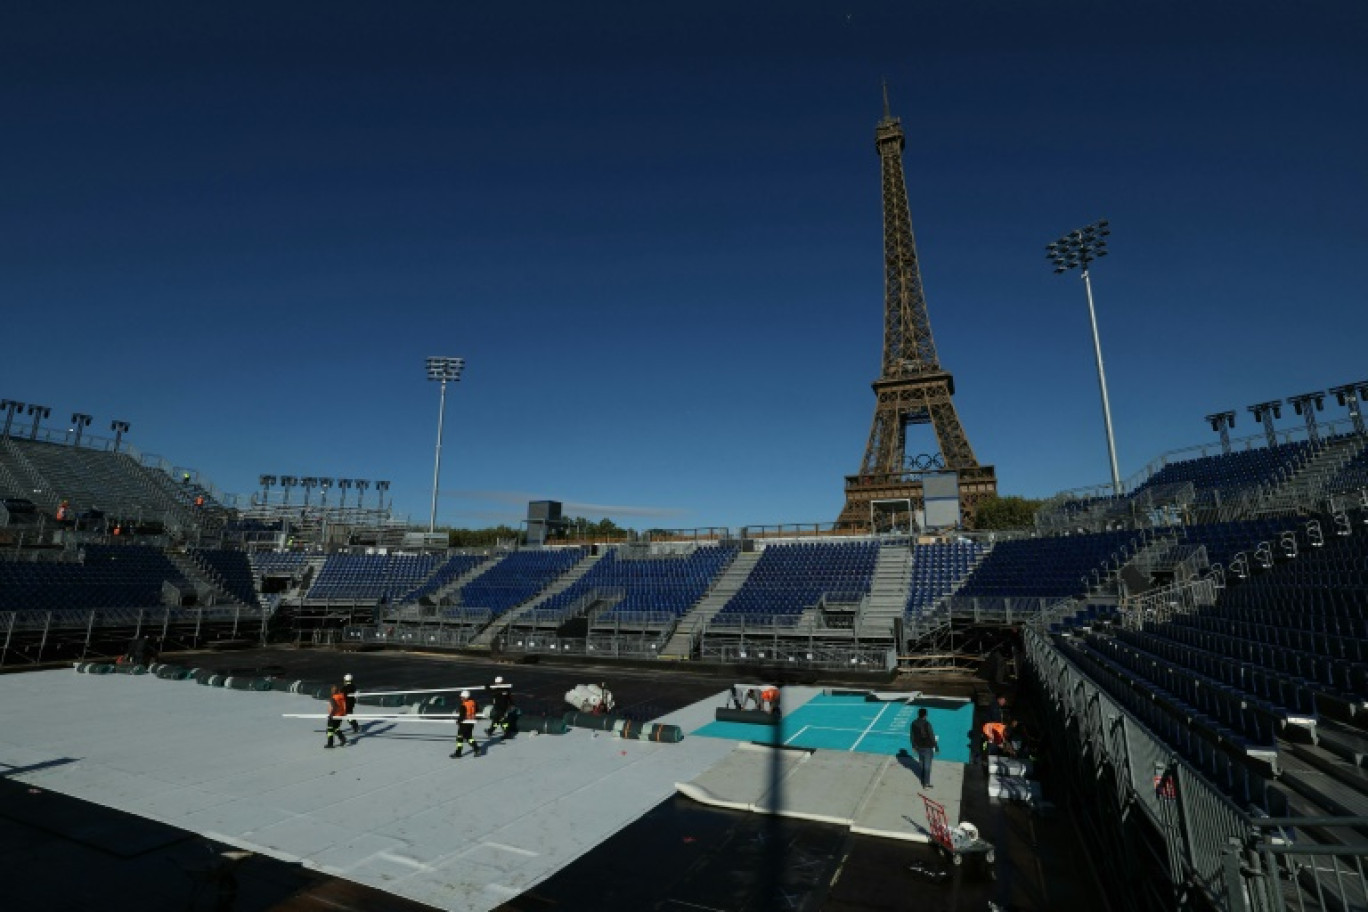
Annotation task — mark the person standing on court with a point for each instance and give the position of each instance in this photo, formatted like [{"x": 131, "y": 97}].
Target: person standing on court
[
  {"x": 925, "y": 744},
  {"x": 501, "y": 694},
  {"x": 465, "y": 728},
  {"x": 337, "y": 711},
  {"x": 349, "y": 691}
]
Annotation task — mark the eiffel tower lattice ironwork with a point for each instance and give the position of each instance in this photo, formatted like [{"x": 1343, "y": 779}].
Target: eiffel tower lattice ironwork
[{"x": 912, "y": 388}]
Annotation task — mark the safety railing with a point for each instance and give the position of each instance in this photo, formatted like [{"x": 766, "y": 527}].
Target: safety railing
[
  {"x": 405, "y": 636},
  {"x": 32, "y": 637},
  {"x": 795, "y": 654},
  {"x": 1239, "y": 862}
]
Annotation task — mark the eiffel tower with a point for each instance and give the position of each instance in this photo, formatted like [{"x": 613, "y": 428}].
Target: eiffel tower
[{"x": 913, "y": 388}]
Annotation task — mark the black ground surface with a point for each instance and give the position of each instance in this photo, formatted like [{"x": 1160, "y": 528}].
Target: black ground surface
[{"x": 58, "y": 852}]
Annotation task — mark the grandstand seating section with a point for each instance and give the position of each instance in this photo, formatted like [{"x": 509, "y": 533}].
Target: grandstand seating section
[
  {"x": 937, "y": 569},
  {"x": 1049, "y": 568},
  {"x": 518, "y": 577},
  {"x": 1229, "y": 473},
  {"x": 1354, "y": 475},
  {"x": 107, "y": 577},
  {"x": 369, "y": 577},
  {"x": 88, "y": 479},
  {"x": 1222, "y": 540},
  {"x": 789, "y": 578},
  {"x": 234, "y": 572},
  {"x": 668, "y": 585},
  {"x": 455, "y": 566},
  {"x": 278, "y": 563},
  {"x": 1278, "y": 654}
]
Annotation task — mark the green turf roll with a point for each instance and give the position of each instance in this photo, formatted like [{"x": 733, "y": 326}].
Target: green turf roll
[
  {"x": 546, "y": 725},
  {"x": 592, "y": 721}
]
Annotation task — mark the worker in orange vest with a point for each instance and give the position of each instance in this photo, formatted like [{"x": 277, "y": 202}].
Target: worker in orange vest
[
  {"x": 465, "y": 728},
  {"x": 769, "y": 699},
  {"x": 997, "y": 738},
  {"x": 337, "y": 711}
]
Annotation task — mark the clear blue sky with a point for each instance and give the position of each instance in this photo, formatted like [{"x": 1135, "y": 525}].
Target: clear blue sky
[{"x": 653, "y": 230}]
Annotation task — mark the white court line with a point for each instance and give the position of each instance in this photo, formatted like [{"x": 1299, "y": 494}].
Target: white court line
[
  {"x": 797, "y": 733},
  {"x": 872, "y": 723}
]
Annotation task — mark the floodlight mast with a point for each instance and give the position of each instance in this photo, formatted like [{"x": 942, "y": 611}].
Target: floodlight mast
[
  {"x": 1079, "y": 248},
  {"x": 441, "y": 369},
  {"x": 1221, "y": 423}
]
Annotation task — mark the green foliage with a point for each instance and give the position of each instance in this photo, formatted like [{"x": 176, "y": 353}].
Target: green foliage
[
  {"x": 480, "y": 538},
  {"x": 1010, "y": 512},
  {"x": 574, "y": 528}
]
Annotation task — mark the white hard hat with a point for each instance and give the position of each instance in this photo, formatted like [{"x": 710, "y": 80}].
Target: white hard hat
[
  {"x": 346, "y": 677},
  {"x": 498, "y": 680},
  {"x": 465, "y": 695}
]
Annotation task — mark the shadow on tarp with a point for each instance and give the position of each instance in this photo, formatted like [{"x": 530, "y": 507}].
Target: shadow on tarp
[{"x": 8, "y": 770}]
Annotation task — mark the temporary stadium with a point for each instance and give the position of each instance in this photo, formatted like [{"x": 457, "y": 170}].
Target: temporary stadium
[{"x": 708, "y": 718}]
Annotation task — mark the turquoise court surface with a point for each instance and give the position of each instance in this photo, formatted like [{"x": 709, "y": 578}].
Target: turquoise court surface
[{"x": 851, "y": 722}]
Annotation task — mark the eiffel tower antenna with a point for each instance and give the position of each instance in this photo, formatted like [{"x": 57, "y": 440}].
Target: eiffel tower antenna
[{"x": 912, "y": 387}]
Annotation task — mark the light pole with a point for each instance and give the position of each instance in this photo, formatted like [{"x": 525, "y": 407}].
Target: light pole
[
  {"x": 1079, "y": 248},
  {"x": 287, "y": 482},
  {"x": 79, "y": 421},
  {"x": 1264, "y": 413},
  {"x": 39, "y": 412},
  {"x": 10, "y": 406},
  {"x": 266, "y": 481},
  {"x": 380, "y": 488},
  {"x": 360, "y": 484},
  {"x": 1221, "y": 423},
  {"x": 1306, "y": 405},
  {"x": 1350, "y": 395},
  {"x": 441, "y": 370},
  {"x": 119, "y": 428}
]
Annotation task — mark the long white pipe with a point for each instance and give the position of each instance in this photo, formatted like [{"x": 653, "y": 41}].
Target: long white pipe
[
  {"x": 437, "y": 690},
  {"x": 446, "y": 719}
]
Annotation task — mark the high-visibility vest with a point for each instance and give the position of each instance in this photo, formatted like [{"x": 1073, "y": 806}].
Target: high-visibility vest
[
  {"x": 468, "y": 711},
  {"x": 995, "y": 732}
]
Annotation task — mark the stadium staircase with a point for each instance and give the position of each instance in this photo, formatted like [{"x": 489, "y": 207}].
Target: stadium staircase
[
  {"x": 210, "y": 586},
  {"x": 1308, "y": 487},
  {"x": 888, "y": 594},
  {"x": 680, "y": 644},
  {"x": 448, "y": 589},
  {"x": 506, "y": 620},
  {"x": 116, "y": 484},
  {"x": 925, "y": 625}
]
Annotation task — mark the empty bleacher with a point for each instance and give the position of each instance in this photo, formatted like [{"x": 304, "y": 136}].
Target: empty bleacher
[
  {"x": 791, "y": 578},
  {"x": 371, "y": 577},
  {"x": 937, "y": 569},
  {"x": 1229, "y": 473},
  {"x": 516, "y": 578},
  {"x": 625, "y": 588},
  {"x": 230, "y": 569},
  {"x": 88, "y": 479},
  {"x": 102, "y": 577},
  {"x": 1044, "y": 568},
  {"x": 455, "y": 567}
]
